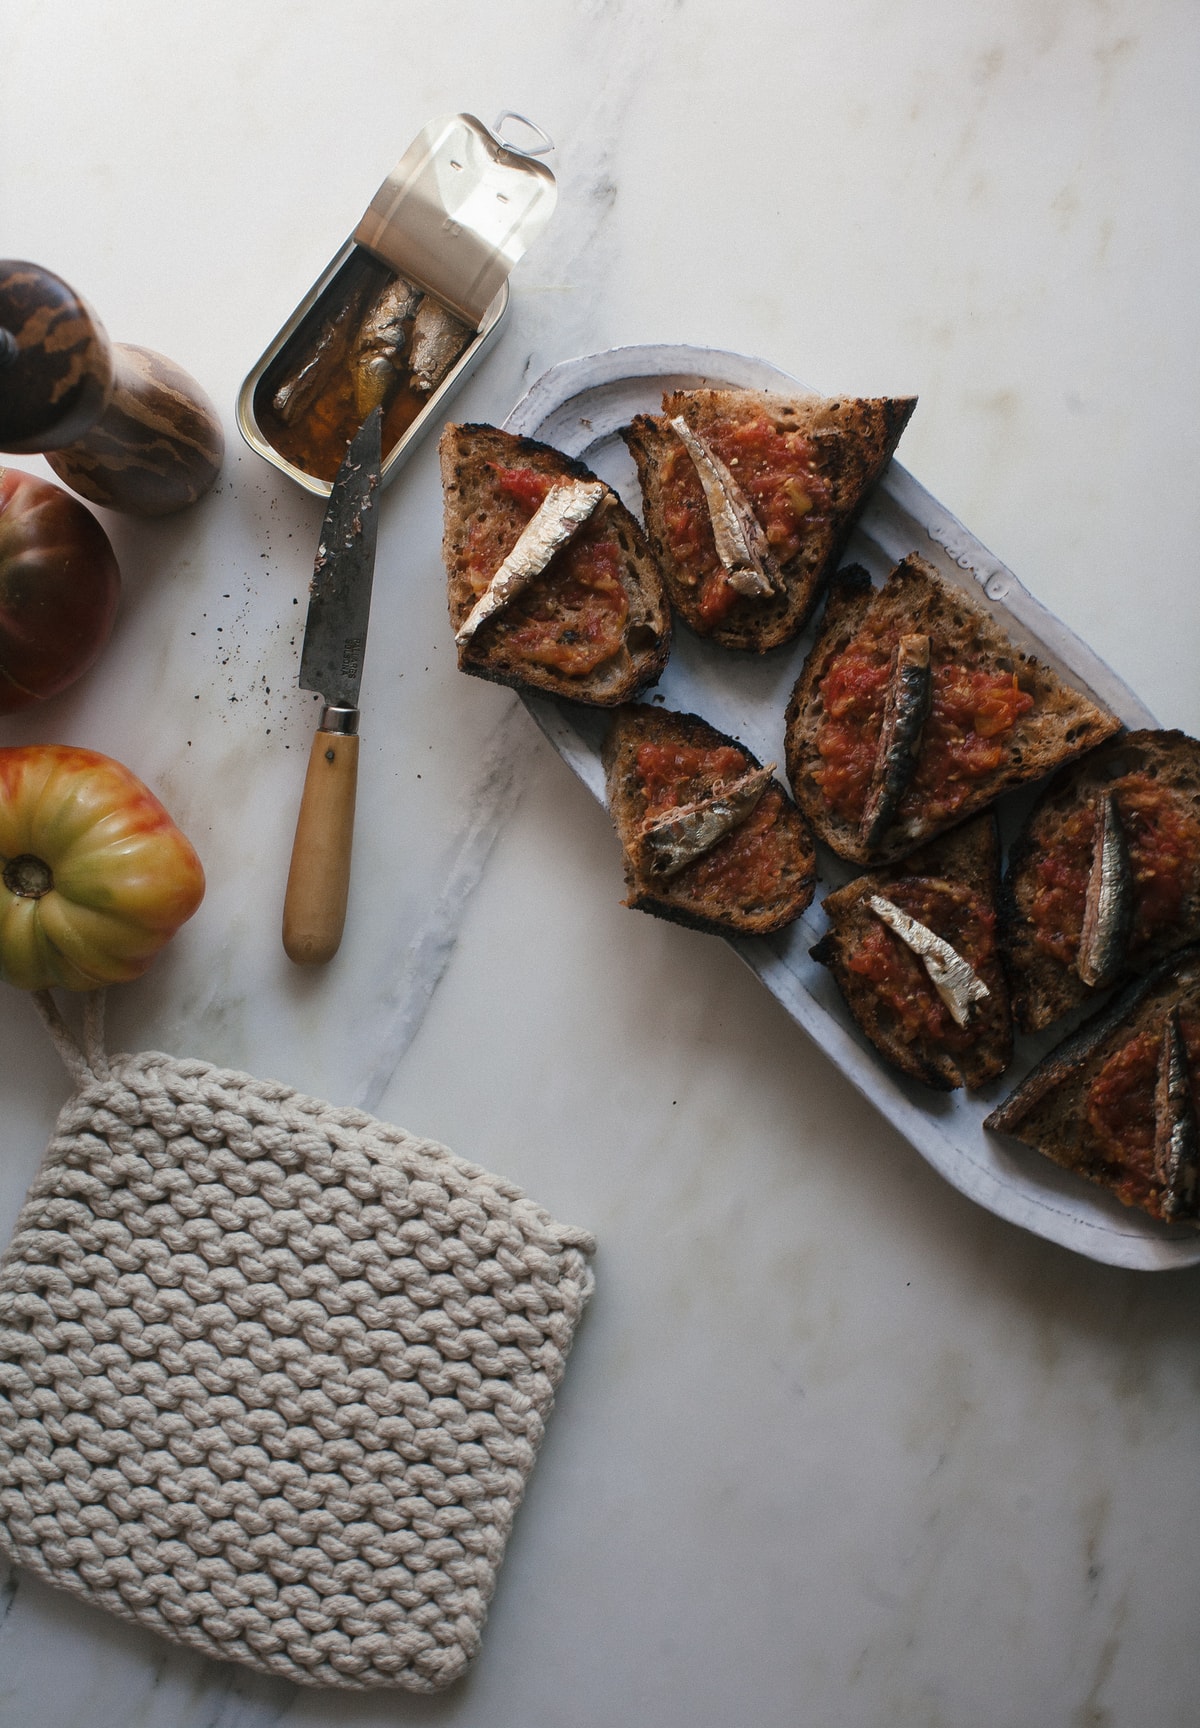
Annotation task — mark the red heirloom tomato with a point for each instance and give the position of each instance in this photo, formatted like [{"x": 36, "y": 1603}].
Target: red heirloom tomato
[
  {"x": 94, "y": 875},
  {"x": 59, "y": 585}
]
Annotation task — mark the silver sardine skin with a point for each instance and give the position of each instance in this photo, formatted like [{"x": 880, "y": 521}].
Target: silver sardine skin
[
  {"x": 378, "y": 359},
  {"x": 1108, "y": 906},
  {"x": 954, "y": 979},
  {"x": 1176, "y": 1140},
  {"x": 438, "y": 338},
  {"x": 300, "y": 389},
  {"x": 740, "y": 540},
  {"x": 905, "y": 710},
  {"x": 561, "y": 514},
  {"x": 673, "y": 839}
]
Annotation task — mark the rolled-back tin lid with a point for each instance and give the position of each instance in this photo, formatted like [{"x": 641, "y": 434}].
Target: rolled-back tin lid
[{"x": 459, "y": 209}]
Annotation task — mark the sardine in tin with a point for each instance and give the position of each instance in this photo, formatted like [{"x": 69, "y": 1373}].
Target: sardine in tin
[{"x": 407, "y": 308}]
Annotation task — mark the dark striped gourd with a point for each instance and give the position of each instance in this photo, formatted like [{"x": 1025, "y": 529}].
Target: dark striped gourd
[{"x": 122, "y": 426}]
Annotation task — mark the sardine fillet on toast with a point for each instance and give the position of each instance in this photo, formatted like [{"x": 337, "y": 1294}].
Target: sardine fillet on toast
[
  {"x": 1116, "y": 1101},
  {"x": 1150, "y": 781},
  {"x": 588, "y": 619},
  {"x": 950, "y": 887},
  {"x": 994, "y": 717},
  {"x": 795, "y": 471},
  {"x": 695, "y": 850}
]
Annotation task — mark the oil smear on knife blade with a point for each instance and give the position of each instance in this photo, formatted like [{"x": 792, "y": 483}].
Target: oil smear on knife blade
[
  {"x": 741, "y": 542},
  {"x": 668, "y": 842},
  {"x": 559, "y": 517},
  {"x": 351, "y": 532},
  {"x": 953, "y": 977}
]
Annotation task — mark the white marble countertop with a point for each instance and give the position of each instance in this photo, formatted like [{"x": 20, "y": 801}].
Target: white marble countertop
[{"x": 835, "y": 1446}]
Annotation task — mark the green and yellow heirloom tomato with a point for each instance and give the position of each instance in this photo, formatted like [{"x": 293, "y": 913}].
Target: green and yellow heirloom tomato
[{"x": 94, "y": 875}]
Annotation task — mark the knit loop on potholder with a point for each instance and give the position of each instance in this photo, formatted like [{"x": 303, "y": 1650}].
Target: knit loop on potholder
[{"x": 273, "y": 1374}]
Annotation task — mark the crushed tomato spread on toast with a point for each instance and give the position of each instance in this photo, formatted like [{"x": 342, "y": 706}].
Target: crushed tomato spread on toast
[
  {"x": 1120, "y": 1112},
  {"x": 917, "y": 1013},
  {"x": 963, "y": 739},
  {"x": 747, "y": 865},
  {"x": 774, "y": 470},
  {"x": 1164, "y": 855},
  {"x": 573, "y": 616}
]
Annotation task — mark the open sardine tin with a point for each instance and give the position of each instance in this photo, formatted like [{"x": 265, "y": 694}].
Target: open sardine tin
[{"x": 406, "y": 310}]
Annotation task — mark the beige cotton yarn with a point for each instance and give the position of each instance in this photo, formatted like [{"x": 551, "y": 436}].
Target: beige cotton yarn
[{"x": 273, "y": 1375}]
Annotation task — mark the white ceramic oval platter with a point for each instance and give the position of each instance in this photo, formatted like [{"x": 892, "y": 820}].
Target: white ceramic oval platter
[{"x": 579, "y": 407}]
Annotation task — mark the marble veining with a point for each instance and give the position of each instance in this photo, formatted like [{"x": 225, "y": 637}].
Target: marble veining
[
  {"x": 400, "y": 1012},
  {"x": 836, "y": 1448}
]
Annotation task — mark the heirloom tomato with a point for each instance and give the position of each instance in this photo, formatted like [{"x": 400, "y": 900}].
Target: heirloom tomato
[
  {"x": 59, "y": 586},
  {"x": 94, "y": 875}
]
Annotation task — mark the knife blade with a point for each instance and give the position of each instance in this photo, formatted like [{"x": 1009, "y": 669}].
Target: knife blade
[{"x": 331, "y": 663}]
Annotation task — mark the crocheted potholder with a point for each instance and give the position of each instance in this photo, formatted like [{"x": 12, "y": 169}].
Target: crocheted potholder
[{"x": 273, "y": 1375}]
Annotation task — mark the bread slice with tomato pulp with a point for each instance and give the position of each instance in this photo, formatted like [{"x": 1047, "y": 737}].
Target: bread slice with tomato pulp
[
  {"x": 938, "y": 1010},
  {"x": 1103, "y": 881},
  {"x": 915, "y": 709},
  {"x": 710, "y": 838},
  {"x": 749, "y": 499},
  {"x": 551, "y": 585},
  {"x": 1116, "y": 1101}
]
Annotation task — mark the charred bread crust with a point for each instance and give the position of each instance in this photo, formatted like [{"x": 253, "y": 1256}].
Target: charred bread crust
[
  {"x": 1044, "y": 985},
  {"x": 853, "y": 440},
  {"x": 969, "y": 856},
  {"x": 1062, "y": 724},
  {"x": 685, "y": 899},
  {"x": 1048, "y": 1110},
  {"x": 468, "y": 454}
]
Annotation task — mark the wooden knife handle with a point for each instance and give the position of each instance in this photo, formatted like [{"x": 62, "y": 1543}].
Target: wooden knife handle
[
  {"x": 123, "y": 426},
  {"x": 314, "y": 907}
]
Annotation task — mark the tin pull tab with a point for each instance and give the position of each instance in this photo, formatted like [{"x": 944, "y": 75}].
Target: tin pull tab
[{"x": 540, "y": 149}]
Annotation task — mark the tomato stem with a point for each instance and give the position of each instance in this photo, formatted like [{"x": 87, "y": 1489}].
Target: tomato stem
[{"x": 28, "y": 876}]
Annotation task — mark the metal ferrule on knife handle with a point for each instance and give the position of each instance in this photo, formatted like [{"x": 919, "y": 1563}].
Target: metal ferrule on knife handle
[
  {"x": 341, "y": 720},
  {"x": 314, "y": 911}
]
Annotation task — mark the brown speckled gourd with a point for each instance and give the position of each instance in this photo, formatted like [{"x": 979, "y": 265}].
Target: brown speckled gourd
[{"x": 123, "y": 426}]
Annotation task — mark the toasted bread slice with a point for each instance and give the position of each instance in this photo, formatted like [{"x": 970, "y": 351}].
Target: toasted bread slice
[
  {"x": 594, "y": 625},
  {"x": 949, "y": 886},
  {"x": 760, "y": 876},
  {"x": 804, "y": 465},
  {"x": 1154, "y": 779},
  {"x": 1115, "y": 1102},
  {"x": 998, "y": 717}
]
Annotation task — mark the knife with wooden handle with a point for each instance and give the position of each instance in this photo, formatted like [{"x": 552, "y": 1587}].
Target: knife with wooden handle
[{"x": 331, "y": 663}]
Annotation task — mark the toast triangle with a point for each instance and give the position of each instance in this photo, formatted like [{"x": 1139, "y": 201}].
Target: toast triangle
[
  {"x": 1000, "y": 718},
  {"x": 725, "y": 890},
  {"x": 806, "y": 464},
  {"x": 1154, "y": 776},
  {"x": 1091, "y": 1104},
  {"x": 951, "y": 885}
]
